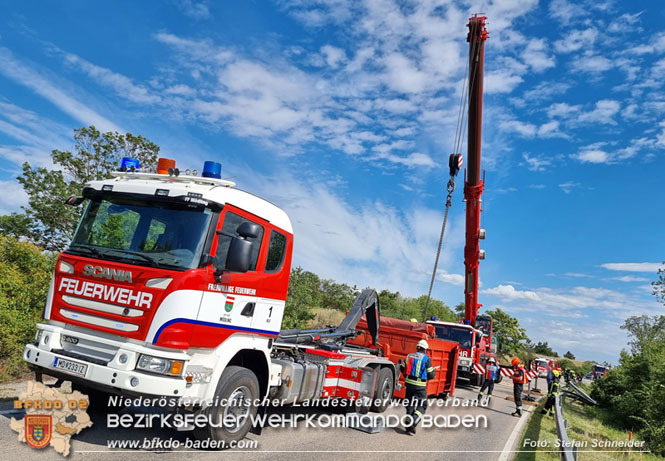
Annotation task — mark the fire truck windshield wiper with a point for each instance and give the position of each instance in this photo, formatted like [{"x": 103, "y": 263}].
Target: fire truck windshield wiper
[
  {"x": 142, "y": 256},
  {"x": 83, "y": 248}
]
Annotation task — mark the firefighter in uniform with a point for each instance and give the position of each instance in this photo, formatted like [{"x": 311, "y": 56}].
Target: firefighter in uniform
[
  {"x": 519, "y": 378},
  {"x": 552, "y": 392},
  {"x": 491, "y": 375},
  {"x": 417, "y": 370}
]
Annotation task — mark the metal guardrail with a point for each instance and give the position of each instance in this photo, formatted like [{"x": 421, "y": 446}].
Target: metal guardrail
[
  {"x": 581, "y": 395},
  {"x": 568, "y": 453}
]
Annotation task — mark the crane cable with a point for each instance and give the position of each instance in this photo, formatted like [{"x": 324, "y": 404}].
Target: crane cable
[{"x": 457, "y": 144}]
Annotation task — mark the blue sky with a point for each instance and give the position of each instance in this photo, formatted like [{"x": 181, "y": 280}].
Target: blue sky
[{"x": 344, "y": 112}]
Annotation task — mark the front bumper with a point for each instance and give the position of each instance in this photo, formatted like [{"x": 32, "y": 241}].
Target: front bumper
[{"x": 119, "y": 377}]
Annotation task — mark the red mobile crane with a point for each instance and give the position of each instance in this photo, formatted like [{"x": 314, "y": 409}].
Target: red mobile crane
[{"x": 475, "y": 334}]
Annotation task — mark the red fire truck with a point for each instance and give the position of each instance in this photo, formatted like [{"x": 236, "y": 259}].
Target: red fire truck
[
  {"x": 475, "y": 346},
  {"x": 175, "y": 285}
]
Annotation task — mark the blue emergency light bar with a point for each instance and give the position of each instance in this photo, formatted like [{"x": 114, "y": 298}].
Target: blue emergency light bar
[
  {"x": 212, "y": 170},
  {"x": 129, "y": 164}
]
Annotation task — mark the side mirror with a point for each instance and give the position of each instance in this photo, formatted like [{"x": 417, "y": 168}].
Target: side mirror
[
  {"x": 248, "y": 230},
  {"x": 74, "y": 200},
  {"x": 239, "y": 255}
]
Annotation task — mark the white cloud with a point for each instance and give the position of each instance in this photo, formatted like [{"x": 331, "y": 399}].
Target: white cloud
[
  {"x": 536, "y": 56},
  {"x": 333, "y": 56},
  {"x": 523, "y": 128},
  {"x": 413, "y": 160},
  {"x": 386, "y": 247},
  {"x": 122, "y": 85},
  {"x": 536, "y": 162},
  {"x": 562, "y": 109},
  {"x": 24, "y": 75},
  {"x": 565, "y": 11},
  {"x": 604, "y": 112},
  {"x": 631, "y": 278},
  {"x": 35, "y": 135},
  {"x": 194, "y": 9},
  {"x": 593, "y": 156},
  {"x": 624, "y": 23},
  {"x": 572, "y": 302},
  {"x": 591, "y": 63},
  {"x": 501, "y": 81},
  {"x": 403, "y": 75},
  {"x": 12, "y": 197},
  {"x": 633, "y": 267},
  {"x": 576, "y": 40},
  {"x": 452, "y": 279},
  {"x": 567, "y": 187}
]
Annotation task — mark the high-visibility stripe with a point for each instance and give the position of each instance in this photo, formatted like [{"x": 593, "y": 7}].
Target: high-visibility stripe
[{"x": 415, "y": 383}]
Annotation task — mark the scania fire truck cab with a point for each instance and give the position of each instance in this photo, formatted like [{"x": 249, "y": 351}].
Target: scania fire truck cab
[{"x": 152, "y": 261}]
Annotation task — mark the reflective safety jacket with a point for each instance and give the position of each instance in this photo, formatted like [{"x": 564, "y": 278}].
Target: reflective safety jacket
[
  {"x": 491, "y": 372},
  {"x": 554, "y": 388},
  {"x": 417, "y": 369},
  {"x": 519, "y": 377}
]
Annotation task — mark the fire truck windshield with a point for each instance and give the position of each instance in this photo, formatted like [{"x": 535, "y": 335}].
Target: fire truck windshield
[
  {"x": 159, "y": 234},
  {"x": 460, "y": 335}
]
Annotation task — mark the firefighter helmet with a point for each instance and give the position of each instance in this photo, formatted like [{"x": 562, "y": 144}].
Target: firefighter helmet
[
  {"x": 422, "y": 344},
  {"x": 491, "y": 360},
  {"x": 556, "y": 373},
  {"x": 515, "y": 361}
]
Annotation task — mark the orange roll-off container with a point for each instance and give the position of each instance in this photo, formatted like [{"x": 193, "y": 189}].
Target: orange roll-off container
[{"x": 398, "y": 338}]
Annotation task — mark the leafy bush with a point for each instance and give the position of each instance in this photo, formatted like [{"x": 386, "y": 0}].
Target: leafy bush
[
  {"x": 25, "y": 273},
  {"x": 635, "y": 390}
]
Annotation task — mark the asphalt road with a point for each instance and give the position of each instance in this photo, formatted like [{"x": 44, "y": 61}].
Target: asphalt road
[{"x": 302, "y": 443}]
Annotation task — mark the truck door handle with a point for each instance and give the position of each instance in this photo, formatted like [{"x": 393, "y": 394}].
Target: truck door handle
[{"x": 248, "y": 310}]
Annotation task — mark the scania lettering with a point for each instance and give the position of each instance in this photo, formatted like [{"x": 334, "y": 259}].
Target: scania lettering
[{"x": 98, "y": 271}]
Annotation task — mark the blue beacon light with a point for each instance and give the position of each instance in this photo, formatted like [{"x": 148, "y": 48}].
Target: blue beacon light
[
  {"x": 212, "y": 170},
  {"x": 128, "y": 164}
]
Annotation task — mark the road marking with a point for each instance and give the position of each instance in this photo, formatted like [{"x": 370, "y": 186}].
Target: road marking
[{"x": 507, "y": 448}]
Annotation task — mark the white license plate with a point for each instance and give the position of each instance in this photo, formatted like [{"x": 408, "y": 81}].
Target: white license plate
[{"x": 74, "y": 368}]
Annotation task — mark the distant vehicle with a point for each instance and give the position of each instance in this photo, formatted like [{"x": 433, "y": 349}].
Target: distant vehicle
[
  {"x": 544, "y": 366},
  {"x": 599, "y": 371},
  {"x": 589, "y": 375}
]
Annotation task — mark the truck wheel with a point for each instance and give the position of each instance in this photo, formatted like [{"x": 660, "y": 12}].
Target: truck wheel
[
  {"x": 499, "y": 378},
  {"x": 385, "y": 386},
  {"x": 238, "y": 388},
  {"x": 480, "y": 379}
]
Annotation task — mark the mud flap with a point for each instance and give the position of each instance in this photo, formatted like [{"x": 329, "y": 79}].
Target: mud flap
[{"x": 257, "y": 428}]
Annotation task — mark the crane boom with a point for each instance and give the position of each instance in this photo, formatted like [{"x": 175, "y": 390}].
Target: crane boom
[{"x": 473, "y": 186}]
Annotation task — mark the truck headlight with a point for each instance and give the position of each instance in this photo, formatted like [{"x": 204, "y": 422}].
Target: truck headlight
[
  {"x": 38, "y": 336},
  {"x": 159, "y": 365}
]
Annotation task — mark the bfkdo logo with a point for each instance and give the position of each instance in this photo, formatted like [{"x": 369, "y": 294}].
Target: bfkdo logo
[
  {"x": 228, "y": 306},
  {"x": 38, "y": 430},
  {"x": 52, "y": 417}
]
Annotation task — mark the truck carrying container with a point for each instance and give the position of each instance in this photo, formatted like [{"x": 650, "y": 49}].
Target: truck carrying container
[{"x": 398, "y": 338}]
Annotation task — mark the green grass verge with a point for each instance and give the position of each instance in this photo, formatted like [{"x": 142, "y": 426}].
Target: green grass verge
[{"x": 585, "y": 424}]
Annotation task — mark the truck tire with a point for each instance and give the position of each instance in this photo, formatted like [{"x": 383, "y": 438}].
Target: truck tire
[
  {"x": 239, "y": 387},
  {"x": 478, "y": 380},
  {"x": 385, "y": 386},
  {"x": 499, "y": 378}
]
